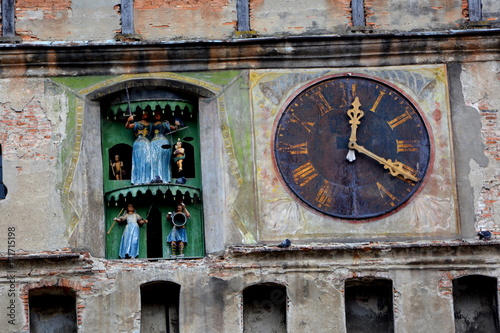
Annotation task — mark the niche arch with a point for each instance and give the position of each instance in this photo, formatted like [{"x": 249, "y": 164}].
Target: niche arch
[
  {"x": 265, "y": 308},
  {"x": 52, "y": 309},
  {"x": 475, "y": 303},
  {"x": 121, "y": 155},
  {"x": 89, "y": 215},
  {"x": 160, "y": 306},
  {"x": 369, "y": 305}
]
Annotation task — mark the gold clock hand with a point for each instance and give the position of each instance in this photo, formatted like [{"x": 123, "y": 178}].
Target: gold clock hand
[
  {"x": 395, "y": 168},
  {"x": 355, "y": 114}
]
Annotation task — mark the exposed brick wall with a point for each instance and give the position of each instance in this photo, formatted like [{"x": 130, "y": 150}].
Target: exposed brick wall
[
  {"x": 465, "y": 9},
  {"x": 491, "y": 192},
  {"x": 347, "y": 10},
  {"x": 178, "y": 19},
  {"x": 24, "y": 133},
  {"x": 35, "y": 10},
  {"x": 215, "y": 5},
  {"x": 45, "y": 5},
  {"x": 369, "y": 13}
]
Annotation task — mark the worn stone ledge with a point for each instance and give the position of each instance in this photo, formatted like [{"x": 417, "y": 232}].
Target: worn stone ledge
[
  {"x": 452, "y": 254},
  {"x": 246, "y": 249},
  {"x": 355, "y": 50},
  {"x": 41, "y": 256}
]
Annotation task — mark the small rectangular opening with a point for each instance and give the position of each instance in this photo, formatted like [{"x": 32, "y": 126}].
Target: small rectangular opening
[
  {"x": 369, "y": 306},
  {"x": 264, "y": 309}
]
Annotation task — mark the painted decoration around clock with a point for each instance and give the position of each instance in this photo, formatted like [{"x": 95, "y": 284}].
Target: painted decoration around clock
[{"x": 352, "y": 147}]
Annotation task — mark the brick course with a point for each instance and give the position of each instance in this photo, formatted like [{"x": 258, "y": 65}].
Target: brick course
[
  {"x": 181, "y": 4},
  {"x": 24, "y": 134}
]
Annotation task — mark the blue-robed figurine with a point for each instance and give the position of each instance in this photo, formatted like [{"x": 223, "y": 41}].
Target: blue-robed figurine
[
  {"x": 141, "y": 150},
  {"x": 129, "y": 245},
  {"x": 160, "y": 148},
  {"x": 178, "y": 237}
]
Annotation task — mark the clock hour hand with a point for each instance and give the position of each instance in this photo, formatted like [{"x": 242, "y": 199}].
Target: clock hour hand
[
  {"x": 395, "y": 168},
  {"x": 355, "y": 114}
]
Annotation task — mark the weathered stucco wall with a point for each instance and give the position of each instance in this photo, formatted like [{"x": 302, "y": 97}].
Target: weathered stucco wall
[
  {"x": 52, "y": 230},
  {"x": 415, "y": 15},
  {"x": 480, "y": 83},
  {"x": 287, "y": 17},
  {"x": 178, "y": 20},
  {"x": 48, "y": 156},
  {"x": 109, "y": 291},
  {"x": 33, "y": 128},
  {"x": 65, "y": 20}
]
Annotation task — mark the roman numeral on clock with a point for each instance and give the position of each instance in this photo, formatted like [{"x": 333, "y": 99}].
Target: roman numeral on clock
[
  {"x": 320, "y": 100},
  {"x": 304, "y": 174},
  {"x": 406, "y": 145},
  {"x": 300, "y": 148},
  {"x": 384, "y": 192},
  {"x": 307, "y": 125},
  {"x": 399, "y": 120},
  {"x": 325, "y": 193},
  {"x": 379, "y": 98}
]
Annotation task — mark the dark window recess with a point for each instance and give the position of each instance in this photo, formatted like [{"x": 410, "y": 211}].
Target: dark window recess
[
  {"x": 8, "y": 18},
  {"x": 475, "y": 304},
  {"x": 154, "y": 233},
  {"x": 3, "y": 189},
  {"x": 369, "y": 306},
  {"x": 358, "y": 13},
  {"x": 264, "y": 308},
  {"x": 188, "y": 169},
  {"x": 120, "y": 163},
  {"x": 475, "y": 10},
  {"x": 160, "y": 307},
  {"x": 52, "y": 310}
]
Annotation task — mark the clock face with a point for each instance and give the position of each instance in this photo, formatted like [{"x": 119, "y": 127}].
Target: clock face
[{"x": 352, "y": 147}]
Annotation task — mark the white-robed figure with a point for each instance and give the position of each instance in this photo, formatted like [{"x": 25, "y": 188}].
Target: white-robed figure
[{"x": 129, "y": 245}]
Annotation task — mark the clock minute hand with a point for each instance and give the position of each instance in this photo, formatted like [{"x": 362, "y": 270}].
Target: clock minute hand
[
  {"x": 395, "y": 168},
  {"x": 355, "y": 114}
]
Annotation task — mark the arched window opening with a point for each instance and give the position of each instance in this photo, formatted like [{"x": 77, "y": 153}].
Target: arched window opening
[
  {"x": 475, "y": 304},
  {"x": 160, "y": 307},
  {"x": 120, "y": 162},
  {"x": 52, "y": 310},
  {"x": 369, "y": 306},
  {"x": 264, "y": 308}
]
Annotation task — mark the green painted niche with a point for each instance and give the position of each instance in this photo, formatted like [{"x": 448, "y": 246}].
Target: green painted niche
[{"x": 151, "y": 200}]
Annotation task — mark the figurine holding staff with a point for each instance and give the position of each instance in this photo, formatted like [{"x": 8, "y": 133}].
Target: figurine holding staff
[{"x": 129, "y": 245}]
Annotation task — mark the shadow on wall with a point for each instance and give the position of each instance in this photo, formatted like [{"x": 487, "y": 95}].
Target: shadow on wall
[{"x": 3, "y": 188}]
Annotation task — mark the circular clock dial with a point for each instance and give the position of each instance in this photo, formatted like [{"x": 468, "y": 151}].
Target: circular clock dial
[{"x": 329, "y": 123}]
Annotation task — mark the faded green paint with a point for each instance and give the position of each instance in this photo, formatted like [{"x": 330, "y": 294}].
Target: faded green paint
[
  {"x": 80, "y": 82},
  {"x": 114, "y": 132},
  {"x": 234, "y": 109},
  {"x": 220, "y": 78},
  {"x": 68, "y": 143},
  {"x": 239, "y": 117},
  {"x": 143, "y": 204}
]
